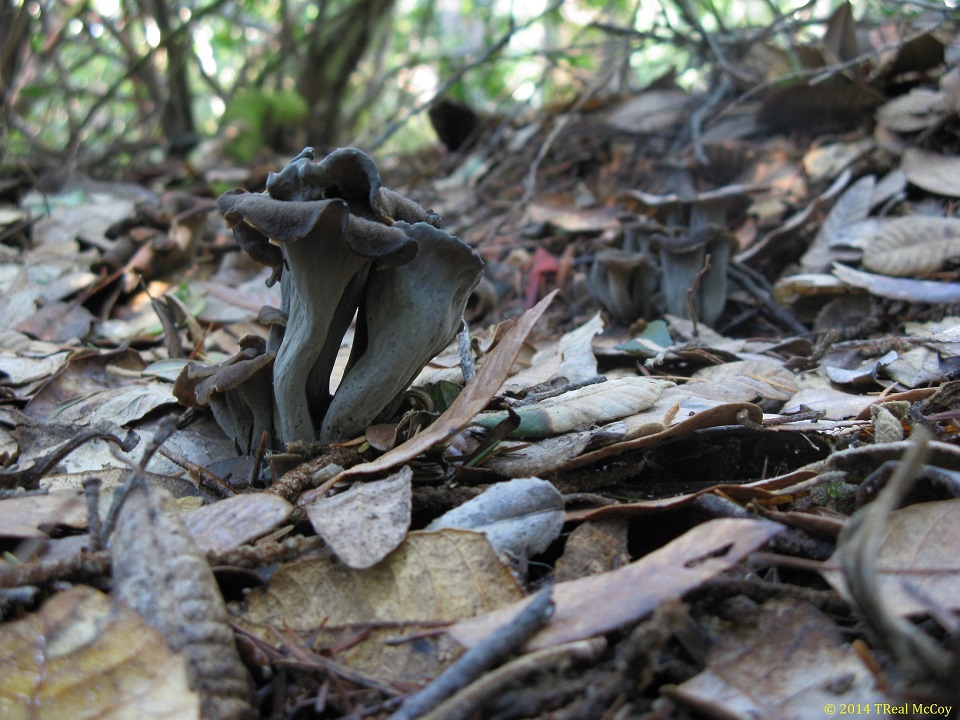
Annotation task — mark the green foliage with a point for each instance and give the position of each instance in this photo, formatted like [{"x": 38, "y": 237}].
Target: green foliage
[
  {"x": 253, "y": 116},
  {"x": 95, "y": 75}
]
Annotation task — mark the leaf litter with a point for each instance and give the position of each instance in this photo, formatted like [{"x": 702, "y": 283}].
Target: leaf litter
[{"x": 701, "y": 431}]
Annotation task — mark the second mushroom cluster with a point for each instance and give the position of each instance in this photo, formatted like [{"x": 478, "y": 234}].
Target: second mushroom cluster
[{"x": 341, "y": 245}]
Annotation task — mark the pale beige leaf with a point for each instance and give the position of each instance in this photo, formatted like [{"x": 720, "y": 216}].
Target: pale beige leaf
[
  {"x": 825, "y": 162},
  {"x": 119, "y": 406},
  {"x": 570, "y": 357},
  {"x": 784, "y": 661},
  {"x": 576, "y": 348},
  {"x": 918, "y": 551},
  {"x": 933, "y": 172},
  {"x": 547, "y": 454},
  {"x": 950, "y": 87},
  {"x": 579, "y": 409},
  {"x": 22, "y": 370},
  {"x": 912, "y": 245},
  {"x": 367, "y": 522},
  {"x": 833, "y": 403},
  {"x": 83, "y": 657},
  {"x": 600, "y": 603},
  {"x": 432, "y": 577},
  {"x": 919, "y": 109},
  {"x": 759, "y": 378}
]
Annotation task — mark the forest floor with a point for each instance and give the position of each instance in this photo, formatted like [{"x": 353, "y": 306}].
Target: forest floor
[{"x": 708, "y": 465}]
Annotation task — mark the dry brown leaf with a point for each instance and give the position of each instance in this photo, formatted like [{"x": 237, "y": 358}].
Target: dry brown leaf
[
  {"x": 160, "y": 573},
  {"x": 36, "y": 515},
  {"x": 432, "y": 577},
  {"x": 649, "y": 112},
  {"x": 935, "y": 173},
  {"x": 59, "y": 322},
  {"x": 367, "y": 522},
  {"x": 594, "y": 547},
  {"x": 709, "y": 417},
  {"x": 912, "y": 245},
  {"x": 83, "y": 657},
  {"x": 84, "y": 376},
  {"x": 917, "y": 551},
  {"x": 600, "y": 603},
  {"x": 234, "y": 521},
  {"x": 785, "y": 661},
  {"x": 766, "y": 489}
]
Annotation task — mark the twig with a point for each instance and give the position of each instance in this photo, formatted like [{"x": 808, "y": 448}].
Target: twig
[
  {"x": 28, "y": 477},
  {"x": 91, "y": 490},
  {"x": 751, "y": 281},
  {"x": 693, "y": 291},
  {"x": 472, "y": 664},
  {"x": 916, "y": 653},
  {"x": 467, "y": 363},
  {"x": 206, "y": 477},
  {"x": 165, "y": 428},
  {"x": 258, "y": 459},
  {"x": 468, "y": 701},
  {"x": 698, "y": 115}
]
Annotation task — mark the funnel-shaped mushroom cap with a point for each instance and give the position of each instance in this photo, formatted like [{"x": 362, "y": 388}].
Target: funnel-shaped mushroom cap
[
  {"x": 681, "y": 261},
  {"x": 411, "y": 313},
  {"x": 623, "y": 282},
  {"x": 348, "y": 174},
  {"x": 237, "y": 390}
]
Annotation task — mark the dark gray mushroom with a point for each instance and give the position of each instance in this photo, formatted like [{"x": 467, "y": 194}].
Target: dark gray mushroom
[
  {"x": 624, "y": 280},
  {"x": 338, "y": 242},
  {"x": 682, "y": 258},
  {"x": 327, "y": 252},
  {"x": 238, "y": 391},
  {"x": 348, "y": 174},
  {"x": 410, "y": 314},
  {"x": 697, "y": 225}
]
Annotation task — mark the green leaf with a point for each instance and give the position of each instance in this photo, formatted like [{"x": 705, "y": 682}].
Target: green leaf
[
  {"x": 651, "y": 342},
  {"x": 443, "y": 393}
]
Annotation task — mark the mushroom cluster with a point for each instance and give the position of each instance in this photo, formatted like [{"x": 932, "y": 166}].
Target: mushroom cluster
[
  {"x": 662, "y": 265},
  {"x": 341, "y": 246}
]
